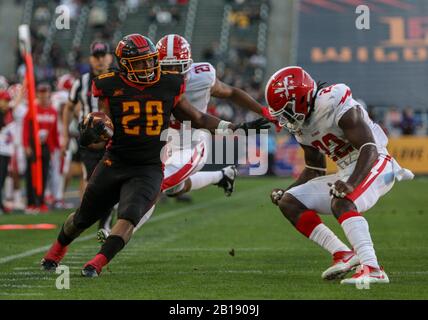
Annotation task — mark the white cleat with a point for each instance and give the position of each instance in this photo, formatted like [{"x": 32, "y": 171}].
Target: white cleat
[
  {"x": 366, "y": 275},
  {"x": 343, "y": 262}
]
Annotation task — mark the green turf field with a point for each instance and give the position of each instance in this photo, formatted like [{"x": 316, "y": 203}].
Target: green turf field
[{"x": 224, "y": 248}]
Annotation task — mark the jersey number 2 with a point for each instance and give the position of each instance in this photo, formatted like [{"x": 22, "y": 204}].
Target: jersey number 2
[
  {"x": 338, "y": 151},
  {"x": 154, "y": 120}
]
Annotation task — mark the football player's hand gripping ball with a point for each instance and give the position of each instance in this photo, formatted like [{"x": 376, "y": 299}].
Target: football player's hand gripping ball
[{"x": 90, "y": 132}]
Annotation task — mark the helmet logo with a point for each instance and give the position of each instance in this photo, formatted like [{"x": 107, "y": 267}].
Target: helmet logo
[{"x": 287, "y": 85}]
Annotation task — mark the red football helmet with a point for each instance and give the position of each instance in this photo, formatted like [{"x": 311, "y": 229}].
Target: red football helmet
[
  {"x": 175, "y": 54},
  {"x": 289, "y": 94},
  {"x": 138, "y": 59},
  {"x": 65, "y": 82}
]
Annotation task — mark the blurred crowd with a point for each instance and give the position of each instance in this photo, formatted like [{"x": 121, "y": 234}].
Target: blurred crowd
[{"x": 397, "y": 121}]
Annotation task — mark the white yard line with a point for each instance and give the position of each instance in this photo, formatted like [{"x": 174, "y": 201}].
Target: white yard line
[
  {"x": 38, "y": 250},
  {"x": 21, "y": 294},
  {"x": 164, "y": 216}
]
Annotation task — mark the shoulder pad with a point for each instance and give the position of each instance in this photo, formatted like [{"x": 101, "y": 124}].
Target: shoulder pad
[
  {"x": 203, "y": 74},
  {"x": 104, "y": 84}
]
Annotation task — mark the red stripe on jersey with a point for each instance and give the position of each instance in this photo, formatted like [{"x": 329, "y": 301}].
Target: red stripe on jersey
[
  {"x": 368, "y": 180},
  {"x": 184, "y": 172}
]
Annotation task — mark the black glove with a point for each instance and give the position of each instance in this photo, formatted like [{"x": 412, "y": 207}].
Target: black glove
[
  {"x": 257, "y": 124},
  {"x": 90, "y": 133}
]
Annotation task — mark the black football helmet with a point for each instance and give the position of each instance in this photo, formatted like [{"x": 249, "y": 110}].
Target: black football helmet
[{"x": 138, "y": 59}]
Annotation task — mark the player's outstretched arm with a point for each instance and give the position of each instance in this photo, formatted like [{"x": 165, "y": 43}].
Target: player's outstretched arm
[
  {"x": 236, "y": 95},
  {"x": 184, "y": 110},
  {"x": 242, "y": 99}
]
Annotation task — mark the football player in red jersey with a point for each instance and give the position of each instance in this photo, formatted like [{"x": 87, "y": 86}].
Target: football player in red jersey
[
  {"x": 139, "y": 100},
  {"x": 328, "y": 121}
]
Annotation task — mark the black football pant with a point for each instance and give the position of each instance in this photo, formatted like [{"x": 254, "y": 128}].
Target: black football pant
[
  {"x": 90, "y": 159},
  {"x": 134, "y": 187}
]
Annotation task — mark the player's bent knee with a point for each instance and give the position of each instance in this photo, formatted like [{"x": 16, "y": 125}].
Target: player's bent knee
[
  {"x": 291, "y": 207},
  {"x": 339, "y": 206}
]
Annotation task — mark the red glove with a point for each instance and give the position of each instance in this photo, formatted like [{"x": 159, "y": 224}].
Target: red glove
[{"x": 267, "y": 115}]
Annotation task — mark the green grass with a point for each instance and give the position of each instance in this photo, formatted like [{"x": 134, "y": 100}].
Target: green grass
[{"x": 184, "y": 252}]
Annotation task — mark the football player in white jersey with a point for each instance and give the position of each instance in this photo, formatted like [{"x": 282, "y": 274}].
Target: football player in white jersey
[
  {"x": 328, "y": 121},
  {"x": 182, "y": 168},
  {"x": 18, "y": 161},
  {"x": 60, "y": 161}
]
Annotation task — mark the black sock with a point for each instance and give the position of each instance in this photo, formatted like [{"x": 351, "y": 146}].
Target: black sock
[
  {"x": 63, "y": 239},
  {"x": 112, "y": 246}
]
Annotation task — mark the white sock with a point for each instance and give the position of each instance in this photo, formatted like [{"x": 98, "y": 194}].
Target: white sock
[
  {"x": 357, "y": 231},
  {"x": 202, "y": 179},
  {"x": 326, "y": 238}
]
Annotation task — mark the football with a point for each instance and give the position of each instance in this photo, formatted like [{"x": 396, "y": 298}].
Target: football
[{"x": 101, "y": 116}]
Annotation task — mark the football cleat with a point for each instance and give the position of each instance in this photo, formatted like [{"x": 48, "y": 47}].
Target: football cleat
[
  {"x": 366, "y": 275},
  {"x": 89, "y": 271},
  {"x": 102, "y": 235},
  {"x": 48, "y": 265},
  {"x": 343, "y": 262},
  {"x": 228, "y": 180}
]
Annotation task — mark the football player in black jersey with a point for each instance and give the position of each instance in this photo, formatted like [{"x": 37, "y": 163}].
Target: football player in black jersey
[{"x": 139, "y": 100}]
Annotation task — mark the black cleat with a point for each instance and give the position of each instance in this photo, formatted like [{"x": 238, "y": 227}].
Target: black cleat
[
  {"x": 48, "y": 265},
  {"x": 228, "y": 180},
  {"x": 89, "y": 272}
]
